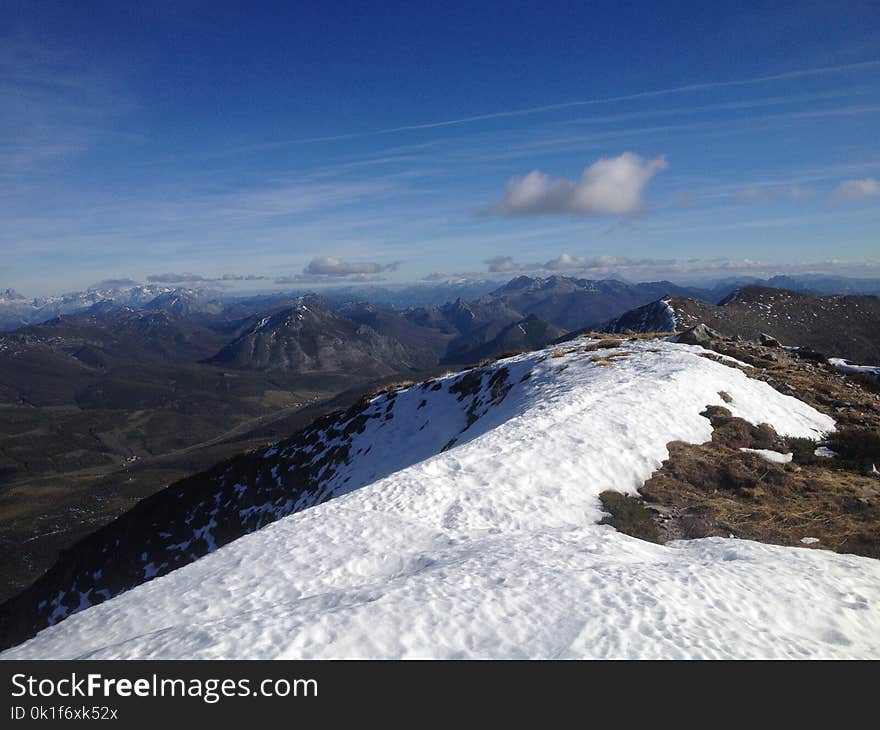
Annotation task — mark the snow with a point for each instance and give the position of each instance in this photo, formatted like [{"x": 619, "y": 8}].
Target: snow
[
  {"x": 491, "y": 548},
  {"x": 847, "y": 367},
  {"x": 809, "y": 540},
  {"x": 774, "y": 457},
  {"x": 671, "y": 324},
  {"x": 825, "y": 452}
]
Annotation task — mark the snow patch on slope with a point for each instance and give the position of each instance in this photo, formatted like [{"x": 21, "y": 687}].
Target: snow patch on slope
[
  {"x": 671, "y": 324},
  {"x": 774, "y": 457},
  {"x": 491, "y": 548},
  {"x": 847, "y": 367}
]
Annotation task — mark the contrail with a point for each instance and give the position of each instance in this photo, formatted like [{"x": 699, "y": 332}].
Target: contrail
[
  {"x": 551, "y": 107},
  {"x": 604, "y": 100}
]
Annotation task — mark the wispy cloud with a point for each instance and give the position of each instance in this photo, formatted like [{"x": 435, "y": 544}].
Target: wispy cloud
[
  {"x": 652, "y": 94},
  {"x": 764, "y": 194},
  {"x": 114, "y": 283},
  {"x": 189, "y": 278},
  {"x": 853, "y": 190},
  {"x": 503, "y": 266},
  {"x": 567, "y": 263},
  {"x": 575, "y": 104},
  {"x": 54, "y": 104},
  {"x": 317, "y": 280},
  {"x": 294, "y": 197}
]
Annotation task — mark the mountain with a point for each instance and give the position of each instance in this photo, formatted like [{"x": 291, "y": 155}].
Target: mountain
[
  {"x": 424, "y": 294},
  {"x": 659, "y": 316},
  {"x": 529, "y": 333},
  {"x": 824, "y": 284},
  {"x": 562, "y": 302},
  {"x": 426, "y": 344},
  {"x": 16, "y": 311},
  {"x": 184, "y": 303},
  {"x": 843, "y": 326},
  {"x": 306, "y": 338},
  {"x": 108, "y": 334},
  {"x": 431, "y": 521},
  {"x": 577, "y": 303}
]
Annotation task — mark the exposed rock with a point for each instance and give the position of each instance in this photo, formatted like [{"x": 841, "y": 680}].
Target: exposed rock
[
  {"x": 809, "y": 354},
  {"x": 699, "y": 335}
]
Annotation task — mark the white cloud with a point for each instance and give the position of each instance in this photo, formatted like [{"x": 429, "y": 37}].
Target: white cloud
[
  {"x": 503, "y": 264},
  {"x": 643, "y": 269},
  {"x": 611, "y": 185},
  {"x": 332, "y": 266},
  {"x": 173, "y": 278},
  {"x": 850, "y": 190},
  {"x": 189, "y": 278},
  {"x": 567, "y": 262}
]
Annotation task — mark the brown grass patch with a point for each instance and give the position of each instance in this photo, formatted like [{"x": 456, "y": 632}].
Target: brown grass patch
[
  {"x": 629, "y": 515},
  {"x": 635, "y": 336},
  {"x": 609, "y": 358},
  {"x": 868, "y": 382},
  {"x": 715, "y": 489},
  {"x": 856, "y": 444},
  {"x": 602, "y": 345}
]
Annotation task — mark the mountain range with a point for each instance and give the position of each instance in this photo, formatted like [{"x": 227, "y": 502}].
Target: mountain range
[
  {"x": 108, "y": 404},
  {"x": 17, "y": 310}
]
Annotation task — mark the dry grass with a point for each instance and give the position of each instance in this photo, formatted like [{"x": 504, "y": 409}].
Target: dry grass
[
  {"x": 629, "y": 515},
  {"x": 856, "y": 444},
  {"x": 602, "y": 345},
  {"x": 868, "y": 382},
  {"x": 635, "y": 336},
  {"x": 390, "y": 390},
  {"x": 716, "y": 489},
  {"x": 609, "y": 357}
]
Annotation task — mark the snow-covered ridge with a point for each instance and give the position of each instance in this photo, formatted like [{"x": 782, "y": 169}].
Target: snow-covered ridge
[
  {"x": 657, "y": 316},
  {"x": 488, "y": 545},
  {"x": 847, "y": 367}
]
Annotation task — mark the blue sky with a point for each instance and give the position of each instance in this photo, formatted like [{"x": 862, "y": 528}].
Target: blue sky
[{"x": 313, "y": 143}]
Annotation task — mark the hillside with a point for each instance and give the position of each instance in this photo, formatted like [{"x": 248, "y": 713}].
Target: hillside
[
  {"x": 102, "y": 408},
  {"x": 574, "y": 303},
  {"x": 563, "y": 301},
  {"x": 109, "y": 334},
  {"x": 529, "y": 333},
  {"x": 843, "y": 326},
  {"x": 432, "y": 519},
  {"x": 306, "y": 338}
]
